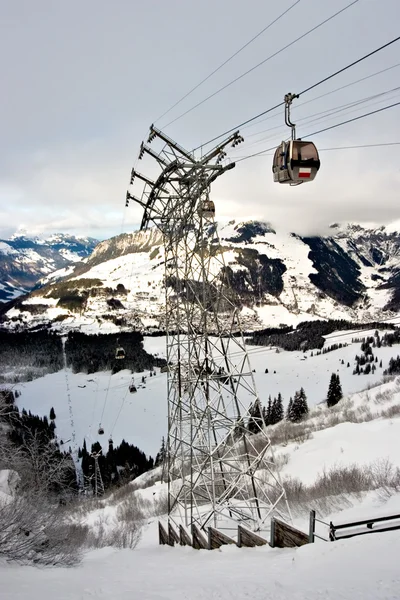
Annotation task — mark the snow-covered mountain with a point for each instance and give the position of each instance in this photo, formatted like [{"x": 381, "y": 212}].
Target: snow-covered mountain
[
  {"x": 24, "y": 260},
  {"x": 281, "y": 278}
]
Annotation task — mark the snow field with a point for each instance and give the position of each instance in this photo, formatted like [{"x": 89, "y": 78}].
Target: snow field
[
  {"x": 141, "y": 418},
  {"x": 364, "y": 567}
]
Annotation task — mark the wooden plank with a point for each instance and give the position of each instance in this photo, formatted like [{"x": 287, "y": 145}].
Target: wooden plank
[
  {"x": 286, "y": 536},
  {"x": 199, "y": 541},
  {"x": 249, "y": 539},
  {"x": 162, "y": 535},
  {"x": 217, "y": 539},
  {"x": 184, "y": 537},
  {"x": 173, "y": 537}
]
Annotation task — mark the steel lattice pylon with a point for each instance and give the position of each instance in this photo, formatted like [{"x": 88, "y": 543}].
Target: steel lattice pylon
[{"x": 218, "y": 473}]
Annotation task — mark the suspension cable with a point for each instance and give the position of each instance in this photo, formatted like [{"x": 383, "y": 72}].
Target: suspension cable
[
  {"x": 224, "y": 87},
  {"x": 301, "y": 93},
  {"x": 227, "y": 60},
  {"x": 326, "y": 129},
  {"x": 330, "y": 111},
  {"x": 344, "y": 109},
  {"x": 338, "y": 89}
]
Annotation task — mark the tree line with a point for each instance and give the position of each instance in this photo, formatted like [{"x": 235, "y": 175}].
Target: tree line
[
  {"x": 118, "y": 466},
  {"x": 308, "y": 335},
  {"x": 39, "y": 352}
]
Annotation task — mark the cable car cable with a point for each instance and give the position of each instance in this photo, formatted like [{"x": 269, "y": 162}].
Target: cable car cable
[
  {"x": 301, "y": 93},
  {"x": 224, "y": 87},
  {"x": 342, "y": 87},
  {"x": 227, "y": 60},
  {"x": 344, "y": 148},
  {"x": 360, "y": 146},
  {"x": 311, "y": 87},
  {"x": 330, "y": 111},
  {"x": 326, "y": 129},
  {"x": 308, "y": 120},
  {"x": 354, "y": 119}
]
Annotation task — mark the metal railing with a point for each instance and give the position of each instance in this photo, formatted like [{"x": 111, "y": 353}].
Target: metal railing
[{"x": 365, "y": 526}]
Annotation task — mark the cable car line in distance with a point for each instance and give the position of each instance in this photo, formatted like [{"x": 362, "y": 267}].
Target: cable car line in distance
[
  {"x": 224, "y": 87},
  {"x": 301, "y": 93},
  {"x": 228, "y": 60}
]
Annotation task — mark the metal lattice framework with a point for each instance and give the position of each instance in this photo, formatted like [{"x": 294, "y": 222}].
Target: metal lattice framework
[{"x": 219, "y": 474}]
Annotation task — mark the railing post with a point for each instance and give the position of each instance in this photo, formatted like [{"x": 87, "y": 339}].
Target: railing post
[
  {"x": 332, "y": 532},
  {"x": 272, "y": 538},
  {"x": 312, "y": 527}
]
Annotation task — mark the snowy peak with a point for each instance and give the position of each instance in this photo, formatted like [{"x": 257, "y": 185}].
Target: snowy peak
[{"x": 24, "y": 260}]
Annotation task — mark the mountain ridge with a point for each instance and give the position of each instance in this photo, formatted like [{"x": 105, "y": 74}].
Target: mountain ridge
[
  {"x": 24, "y": 259},
  {"x": 280, "y": 278}
]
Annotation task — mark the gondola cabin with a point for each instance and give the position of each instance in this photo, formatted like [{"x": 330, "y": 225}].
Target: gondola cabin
[
  {"x": 100, "y": 430},
  {"x": 207, "y": 209},
  {"x": 132, "y": 388},
  {"x": 295, "y": 162},
  {"x": 120, "y": 353}
]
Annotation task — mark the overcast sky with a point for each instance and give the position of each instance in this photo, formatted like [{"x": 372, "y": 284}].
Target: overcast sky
[{"x": 83, "y": 80}]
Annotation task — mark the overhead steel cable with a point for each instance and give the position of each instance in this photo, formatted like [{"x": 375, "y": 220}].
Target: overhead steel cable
[
  {"x": 228, "y": 60},
  {"x": 261, "y": 114},
  {"x": 373, "y": 112},
  {"x": 378, "y": 110},
  {"x": 224, "y": 87},
  {"x": 338, "y": 89},
  {"x": 326, "y": 115},
  {"x": 360, "y": 146},
  {"x": 311, "y": 87},
  {"x": 330, "y": 111},
  {"x": 338, "y": 148}
]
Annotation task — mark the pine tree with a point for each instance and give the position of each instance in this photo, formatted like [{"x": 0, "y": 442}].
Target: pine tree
[
  {"x": 277, "y": 412},
  {"x": 52, "y": 414},
  {"x": 335, "y": 390},
  {"x": 268, "y": 417},
  {"x": 299, "y": 408},
  {"x": 339, "y": 392},
  {"x": 289, "y": 410},
  {"x": 161, "y": 455},
  {"x": 255, "y": 422}
]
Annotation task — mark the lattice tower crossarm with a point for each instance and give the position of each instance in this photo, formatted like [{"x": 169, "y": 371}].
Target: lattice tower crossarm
[{"x": 218, "y": 473}]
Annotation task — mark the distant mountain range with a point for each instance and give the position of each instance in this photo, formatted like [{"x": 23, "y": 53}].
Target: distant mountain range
[
  {"x": 353, "y": 273},
  {"x": 25, "y": 260}
]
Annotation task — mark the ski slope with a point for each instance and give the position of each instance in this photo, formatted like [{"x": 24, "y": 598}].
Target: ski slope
[
  {"x": 141, "y": 418},
  {"x": 365, "y": 567}
]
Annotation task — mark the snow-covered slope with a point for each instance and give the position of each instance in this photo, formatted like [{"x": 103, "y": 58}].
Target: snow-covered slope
[
  {"x": 141, "y": 418},
  {"x": 281, "y": 278},
  {"x": 364, "y": 567}
]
